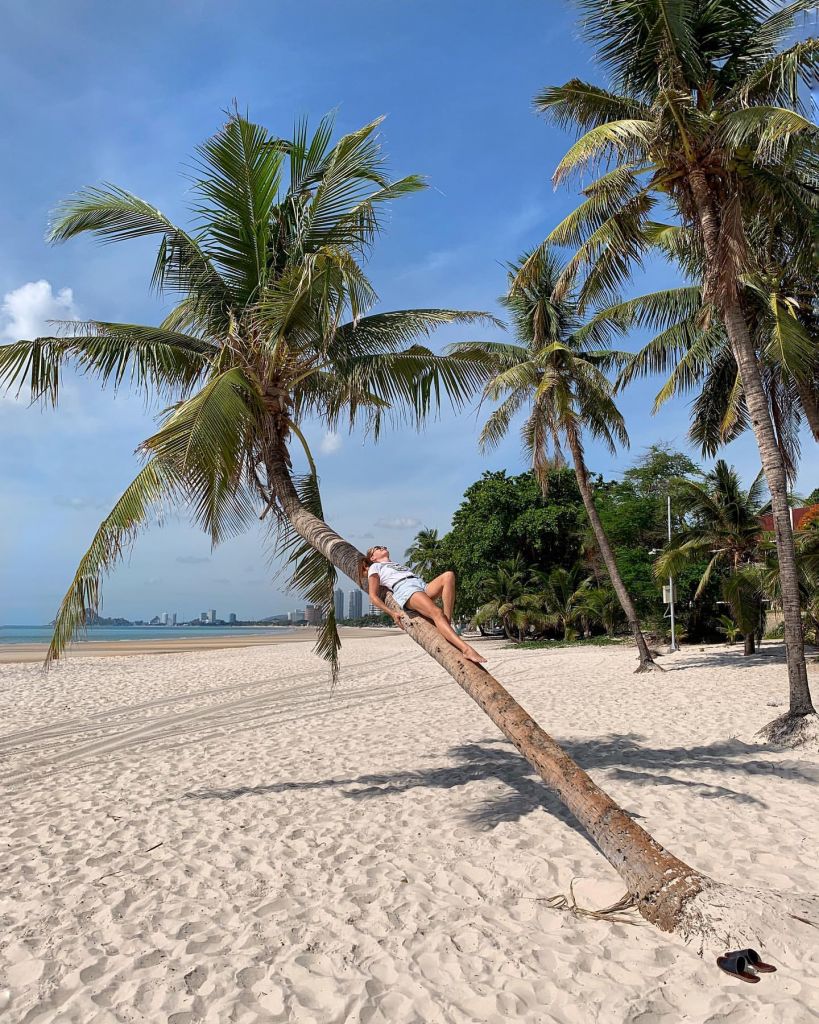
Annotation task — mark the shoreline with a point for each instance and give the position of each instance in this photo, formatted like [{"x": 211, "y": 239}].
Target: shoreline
[{"x": 26, "y": 654}]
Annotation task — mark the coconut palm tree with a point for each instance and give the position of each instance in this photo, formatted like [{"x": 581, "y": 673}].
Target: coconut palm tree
[
  {"x": 424, "y": 554},
  {"x": 563, "y": 592},
  {"x": 256, "y": 343},
  {"x": 704, "y": 115},
  {"x": 696, "y": 353},
  {"x": 561, "y": 380},
  {"x": 508, "y": 597},
  {"x": 723, "y": 525},
  {"x": 600, "y": 605}
]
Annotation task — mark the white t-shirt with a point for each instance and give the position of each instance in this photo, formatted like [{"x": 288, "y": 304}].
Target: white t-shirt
[{"x": 389, "y": 573}]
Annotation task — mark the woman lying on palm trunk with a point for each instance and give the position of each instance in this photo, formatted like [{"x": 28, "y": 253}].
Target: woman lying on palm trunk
[{"x": 410, "y": 591}]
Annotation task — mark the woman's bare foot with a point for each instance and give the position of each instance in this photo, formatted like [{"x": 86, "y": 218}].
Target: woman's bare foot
[{"x": 472, "y": 655}]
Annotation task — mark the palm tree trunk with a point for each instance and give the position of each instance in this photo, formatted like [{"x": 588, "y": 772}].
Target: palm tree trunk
[
  {"x": 724, "y": 295},
  {"x": 749, "y": 644},
  {"x": 647, "y": 663},
  {"x": 661, "y": 886},
  {"x": 771, "y": 456}
]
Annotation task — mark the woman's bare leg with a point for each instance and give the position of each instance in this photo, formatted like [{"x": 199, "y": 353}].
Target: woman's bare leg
[
  {"x": 443, "y": 586},
  {"x": 423, "y": 604}
]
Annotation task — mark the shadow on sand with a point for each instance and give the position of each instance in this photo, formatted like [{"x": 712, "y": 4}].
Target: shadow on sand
[{"x": 621, "y": 756}]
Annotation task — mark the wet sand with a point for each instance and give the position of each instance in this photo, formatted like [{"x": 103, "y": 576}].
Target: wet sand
[{"x": 27, "y": 654}]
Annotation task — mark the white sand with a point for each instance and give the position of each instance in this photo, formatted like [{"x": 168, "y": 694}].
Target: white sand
[{"x": 216, "y": 837}]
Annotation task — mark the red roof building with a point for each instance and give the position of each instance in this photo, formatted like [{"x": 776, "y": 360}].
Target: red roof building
[{"x": 800, "y": 517}]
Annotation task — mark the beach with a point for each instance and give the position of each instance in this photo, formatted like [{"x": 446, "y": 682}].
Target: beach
[
  {"x": 215, "y": 835},
  {"x": 12, "y": 654}
]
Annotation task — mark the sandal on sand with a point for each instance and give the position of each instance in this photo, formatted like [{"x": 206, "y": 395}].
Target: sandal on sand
[
  {"x": 735, "y": 965},
  {"x": 752, "y": 957}
]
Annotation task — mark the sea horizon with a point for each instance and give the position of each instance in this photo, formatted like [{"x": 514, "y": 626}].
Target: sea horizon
[{"x": 22, "y": 634}]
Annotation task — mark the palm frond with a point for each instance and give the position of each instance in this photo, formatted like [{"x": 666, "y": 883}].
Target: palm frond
[
  {"x": 777, "y": 80},
  {"x": 238, "y": 188},
  {"x": 767, "y": 129},
  {"x": 154, "y": 484},
  {"x": 312, "y": 575},
  {"x": 626, "y": 140},
  {"x": 497, "y": 425},
  {"x": 114, "y": 215},
  {"x": 388, "y": 332},
  {"x": 579, "y": 103},
  {"x": 207, "y": 440}
]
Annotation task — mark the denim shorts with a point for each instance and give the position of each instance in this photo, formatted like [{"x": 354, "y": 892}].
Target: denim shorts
[{"x": 404, "y": 589}]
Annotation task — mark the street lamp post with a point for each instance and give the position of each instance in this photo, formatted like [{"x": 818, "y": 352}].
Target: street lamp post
[{"x": 674, "y": 646}]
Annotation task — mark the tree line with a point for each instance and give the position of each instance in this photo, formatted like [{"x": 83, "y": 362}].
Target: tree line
[{"x": 528, "y": 562}]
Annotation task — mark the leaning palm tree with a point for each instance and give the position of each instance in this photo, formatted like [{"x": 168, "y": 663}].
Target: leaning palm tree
[
  {"x": 723, "y": 526},
  {"x": 704, "y": 116},
  {"x": 424, "y": 554},
  {"x": 561, "y": 380},
  {"x": 256, "y": 344}
]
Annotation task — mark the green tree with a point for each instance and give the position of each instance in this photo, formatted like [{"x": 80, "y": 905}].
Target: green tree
[
  {"x": 694, "y": 350},
  {"x": 560, "y": 380},
  {"x": 724, "y": 526},
  {"x": 424, "y": 555},
  {"x": 564, "y": 593},
  {"x": 704, "y": 116},
  {"x": 507, "y": 598},
  {"x": 599, "y": 605},
  {"x": 503, "y": 516}
]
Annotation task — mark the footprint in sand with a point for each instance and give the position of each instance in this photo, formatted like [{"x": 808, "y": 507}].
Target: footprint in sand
[{"x": 92, "y": 973}]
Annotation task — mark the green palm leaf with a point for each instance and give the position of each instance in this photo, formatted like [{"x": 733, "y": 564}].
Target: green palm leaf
[
  {"x": 312, "y": 575},
  {"x": 153, "y": 486}
]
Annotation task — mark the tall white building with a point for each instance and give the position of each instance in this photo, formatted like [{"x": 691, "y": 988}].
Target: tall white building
[
  {"x": 338, "y": 601},
  {"x": 212, "y": 615},
  {"x": 354, "y": 604}
]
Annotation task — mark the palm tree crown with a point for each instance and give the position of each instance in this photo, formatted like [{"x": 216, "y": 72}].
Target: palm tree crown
[
  {"x": 723, "y": 524},
  {"x": 553, "y": 371},
  {"x": 269, "y": 330}
]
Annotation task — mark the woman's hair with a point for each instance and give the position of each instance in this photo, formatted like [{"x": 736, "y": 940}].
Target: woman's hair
[{"x": 367, "y": 561}]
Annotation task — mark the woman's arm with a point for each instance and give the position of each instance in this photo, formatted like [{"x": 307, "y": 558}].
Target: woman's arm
[{"x": 373, "y": 588}]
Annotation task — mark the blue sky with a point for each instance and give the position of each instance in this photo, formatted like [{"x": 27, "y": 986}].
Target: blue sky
[{"x": 93, "y": 91}]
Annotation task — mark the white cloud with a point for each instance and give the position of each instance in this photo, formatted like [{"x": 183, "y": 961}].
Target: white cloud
[
  {"x": 26, "y": 310},
  {"x": 330, "y": 443},
  {"x": 399, "y": 523},
  {"x": 78, "y": 503}
]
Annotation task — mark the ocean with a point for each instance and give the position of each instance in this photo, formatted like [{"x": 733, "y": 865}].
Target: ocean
[{"x": 42, "y": 634}]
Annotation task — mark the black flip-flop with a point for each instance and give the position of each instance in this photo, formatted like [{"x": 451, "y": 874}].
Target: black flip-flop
[
  {"x": 735, "y": 966},
  {"x": 752, "y": 957}
]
